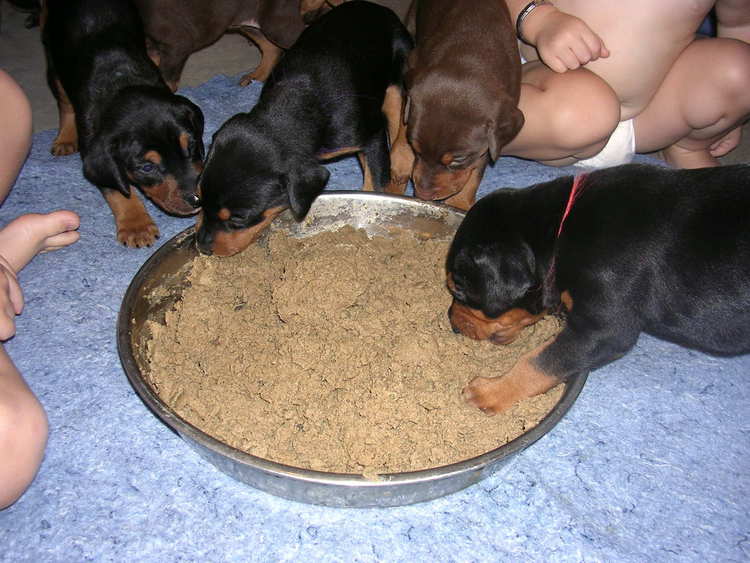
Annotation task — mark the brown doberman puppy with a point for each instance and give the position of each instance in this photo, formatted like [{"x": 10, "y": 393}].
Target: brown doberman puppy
[
  {"x": 463, "y": 85},
  {"x": 175, "y": 29}
]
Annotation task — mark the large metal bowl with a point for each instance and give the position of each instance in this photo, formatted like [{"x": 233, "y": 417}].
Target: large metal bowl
[{"x": 158, "y": 285}]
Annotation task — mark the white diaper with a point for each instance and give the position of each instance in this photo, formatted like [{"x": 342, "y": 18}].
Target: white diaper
[{"x": 620, "y": 148}]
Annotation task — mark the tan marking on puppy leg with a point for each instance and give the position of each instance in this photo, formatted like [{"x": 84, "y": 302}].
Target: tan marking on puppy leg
[
  {"x": 135, "y": 228},
  {"x": 392, "y": 109},
  {"x": 269, "y": 55},
  {"x": 402, "y": 161},
  {"x": 338, "y": 152},
  {"x": 368, "y": 185},
  {"x": 496, "y": 394},
  {"x": 66, "y": 141}
]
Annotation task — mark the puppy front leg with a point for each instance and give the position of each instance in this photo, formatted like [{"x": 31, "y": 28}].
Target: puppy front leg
[
  {"x": 525, "y": 379},
  {"x": 401, "y": 155},
  {"x": 373, "y": 157},
  {"x": 269, "y": 55},
  {"x": 135, "y": 228},
  {"x": 66, "y": 141},
  {"x": 574, "y": 350}
]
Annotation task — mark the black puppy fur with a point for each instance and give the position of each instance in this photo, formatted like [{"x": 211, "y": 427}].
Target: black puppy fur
[
  {"x": 131, "y": 129},
  {"x": 324, "y": 98},
  {"x": 644, "y": 249}
]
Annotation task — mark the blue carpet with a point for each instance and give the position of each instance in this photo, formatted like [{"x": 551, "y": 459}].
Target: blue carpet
[{"x": 651, "y": 463}]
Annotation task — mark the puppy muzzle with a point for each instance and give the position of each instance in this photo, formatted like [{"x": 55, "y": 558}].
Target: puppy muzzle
[{"x": 501, "y": 330}]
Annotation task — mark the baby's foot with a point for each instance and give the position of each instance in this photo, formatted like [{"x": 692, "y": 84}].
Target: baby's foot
[
  {"x": 679, "y": 157},
  {"x": 28, "y": 235}
]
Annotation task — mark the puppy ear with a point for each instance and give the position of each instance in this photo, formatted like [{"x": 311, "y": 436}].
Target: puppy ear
[
  {"x": 508, "y": 272},
  {"x": 191, "y": 118},
  {"x": 303, "y": 185},
  {"x": 194, "y": 116},
  {"x": 102, "y": 169},
  {"x": 500, "y": 133}
]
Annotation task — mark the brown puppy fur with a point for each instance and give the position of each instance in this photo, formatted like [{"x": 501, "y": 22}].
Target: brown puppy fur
[
  {"x": 463, "y": 86},
  {"x": 175, "y": 29}
]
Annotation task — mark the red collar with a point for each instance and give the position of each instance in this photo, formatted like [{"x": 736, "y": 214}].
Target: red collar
[
  {"x": 575, "y": 192},
  {"x": 549, "y": 280}
]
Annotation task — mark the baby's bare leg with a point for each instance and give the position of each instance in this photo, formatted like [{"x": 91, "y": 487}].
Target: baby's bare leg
[
  {"x": 703, "y": 99},
  {"x": 15, "y": 131},
  {"x": 568, "y": 116},
  {"x": 23, "y": 422},
  {"x": 23, "y": 432}
]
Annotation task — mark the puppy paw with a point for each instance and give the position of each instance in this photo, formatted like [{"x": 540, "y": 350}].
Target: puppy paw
[
  {"x": 486, "y": 393},
  {"x": 397, "y": 185},
  {"x": 138, "y": 234},
  {"x": 63, "y": 147},
  {"x": 260, "y": 74},
  {"x": 247, "y": 79}
]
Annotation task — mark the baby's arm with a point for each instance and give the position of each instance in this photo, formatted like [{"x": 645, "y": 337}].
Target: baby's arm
[
  {"x": 563, "y": 41},
  {"x": 733, "y": 19}
]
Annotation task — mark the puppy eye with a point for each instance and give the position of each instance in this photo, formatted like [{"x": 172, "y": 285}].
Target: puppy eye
[
  {"x": 458, "y": 162},
  {"x": 147, "y": 167}
]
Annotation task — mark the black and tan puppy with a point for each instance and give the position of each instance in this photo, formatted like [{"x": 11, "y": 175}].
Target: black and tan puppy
[
  {"x": 641, "y": 249},
  {"x": 463, "y": 83},
  {"x": 328, "y": 96},
  {"x": 175, "y": 29},
  {"x": 115, "y": 107}
]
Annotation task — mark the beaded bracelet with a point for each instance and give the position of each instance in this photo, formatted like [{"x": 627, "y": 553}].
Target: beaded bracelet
[{"x": 523, "y": 14}]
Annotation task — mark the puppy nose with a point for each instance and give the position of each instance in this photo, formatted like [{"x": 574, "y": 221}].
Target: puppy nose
[{"x": 194, "y": 200}]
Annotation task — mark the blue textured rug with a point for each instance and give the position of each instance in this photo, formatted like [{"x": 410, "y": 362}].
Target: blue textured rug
[{"x": 651, "y": 464}]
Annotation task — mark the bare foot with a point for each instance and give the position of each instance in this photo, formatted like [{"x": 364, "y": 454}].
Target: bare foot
[
  {"x": 677, "y": 157},
  {"x": 28, "y": 235}
]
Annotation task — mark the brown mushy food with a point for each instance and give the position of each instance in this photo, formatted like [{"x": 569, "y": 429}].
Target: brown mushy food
[{"x": 334, "y": 352}]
